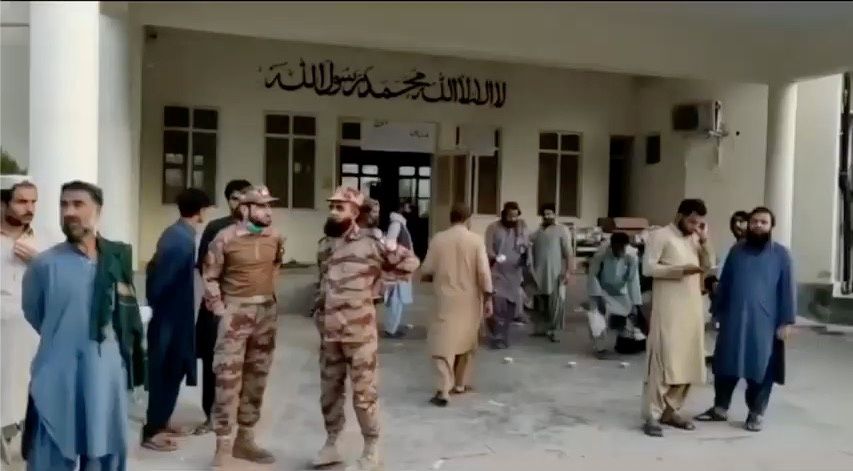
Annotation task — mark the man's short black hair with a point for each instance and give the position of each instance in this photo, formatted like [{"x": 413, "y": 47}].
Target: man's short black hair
[
  {"x": 691, "y": 206},
  {"x": 619, "y": 238},
  {"x": 459, "y": 213},
  {"x": 236, "y": 186},
  {"x": 191, "y": 201},
  {"x": 94, "y": 191},
  {"x": 546, "y": 207},
  {"x": 6, "y": 195},
  {"x": 763, "y": 210},
  {"x": 742, "y": 215},
  {"x": 510, "y": 206}
]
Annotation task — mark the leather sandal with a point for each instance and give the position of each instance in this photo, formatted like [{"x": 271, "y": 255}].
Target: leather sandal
[{"x": 712, "y": 415}]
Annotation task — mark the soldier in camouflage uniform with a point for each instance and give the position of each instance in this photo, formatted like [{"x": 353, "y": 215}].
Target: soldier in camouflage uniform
[
  {"x": 240, "y": 271},
  {"x": 351, "y": 263}
]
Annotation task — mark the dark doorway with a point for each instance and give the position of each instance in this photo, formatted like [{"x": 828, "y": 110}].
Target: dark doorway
[
  {"x": 391, "y": 178},
  {"x": 621, "y": 151}
]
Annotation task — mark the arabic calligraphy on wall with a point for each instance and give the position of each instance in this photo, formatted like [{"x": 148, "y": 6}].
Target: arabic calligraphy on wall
[{"x": 328, "y": 80}]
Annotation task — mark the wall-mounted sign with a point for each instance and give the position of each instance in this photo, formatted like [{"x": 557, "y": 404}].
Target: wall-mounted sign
[
  {"x": 395, "y": 136},
  {"x": 327, "y": 80}
]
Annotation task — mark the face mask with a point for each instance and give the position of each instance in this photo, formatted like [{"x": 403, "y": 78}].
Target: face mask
[{"x": 254, "y": 228}]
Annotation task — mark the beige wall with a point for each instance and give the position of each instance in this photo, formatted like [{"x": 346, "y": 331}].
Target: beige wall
[
  {"x": 222, "y": 71},
  {"x": 815, "y": 229},
  {"x": 688, "y": 167}
]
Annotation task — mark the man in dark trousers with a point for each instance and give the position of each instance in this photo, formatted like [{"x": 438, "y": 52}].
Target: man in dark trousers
[
  {"x": 208, "y": 324},
  {"x": 171, "y": 350}
]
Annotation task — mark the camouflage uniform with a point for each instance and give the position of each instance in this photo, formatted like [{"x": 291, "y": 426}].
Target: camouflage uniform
[
  {"x": 240, "y": 271},
  {"x": 350, "y": 269}
]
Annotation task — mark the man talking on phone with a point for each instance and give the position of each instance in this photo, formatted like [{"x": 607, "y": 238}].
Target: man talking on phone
[{"x": 676, "y": 257}]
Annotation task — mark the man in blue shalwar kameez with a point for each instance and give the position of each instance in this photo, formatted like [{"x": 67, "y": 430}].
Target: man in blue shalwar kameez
[
  {"x": 755, "y": 305},
  {"x": 79, "y": 297},
  {"x": 171, "y": 333}
]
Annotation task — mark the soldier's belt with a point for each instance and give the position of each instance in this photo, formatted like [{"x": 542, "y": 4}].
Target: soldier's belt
[{"x": 259, "y": 299}]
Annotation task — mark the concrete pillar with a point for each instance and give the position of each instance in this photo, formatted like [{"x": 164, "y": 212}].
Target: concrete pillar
[
  {"x": 117, "y": 168},
  {"x": 779, "y": 173},
  {"x": 64, "y": 80}
]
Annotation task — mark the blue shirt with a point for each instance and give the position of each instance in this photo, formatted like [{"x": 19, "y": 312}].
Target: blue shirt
[{"x": 78, "y": 385}]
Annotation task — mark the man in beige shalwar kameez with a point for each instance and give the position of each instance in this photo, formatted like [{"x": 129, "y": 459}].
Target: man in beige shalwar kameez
[
  {"x": 459, "y": 267},
  {"x": 675, "y": 258}
]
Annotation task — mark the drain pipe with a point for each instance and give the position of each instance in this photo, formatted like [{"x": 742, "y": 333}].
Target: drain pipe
[{"x": 845, "y": 183}]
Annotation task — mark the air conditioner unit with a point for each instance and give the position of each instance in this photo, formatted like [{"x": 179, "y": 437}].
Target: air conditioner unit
[{"x": 700, "y": 117}]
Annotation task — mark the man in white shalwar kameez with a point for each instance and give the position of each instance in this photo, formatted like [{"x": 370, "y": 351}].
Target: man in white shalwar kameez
[
  {"x": 19, "y": 340},
  {"x": 676, "y": 257}
]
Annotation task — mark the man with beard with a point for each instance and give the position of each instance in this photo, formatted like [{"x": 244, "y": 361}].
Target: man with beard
[
  {"x": 19, "y": 341},
  {"x": 755, "y": 306},
  {"x": 507, "y": 246},
  {"x": 552, "y": 262},
  {"x": 207, "y": 324},
  {"x": 458, "y": 266},
  {"x": 738, "y": 225},
  {"x": 240, "y": 273},
  {"x": 171, "y": 340},
  {"x": 351, "y": 261},
  {"x": 676, "y": 257},
  {"x": 79, "y": 297},
  {"x": 368, "y": 221}
]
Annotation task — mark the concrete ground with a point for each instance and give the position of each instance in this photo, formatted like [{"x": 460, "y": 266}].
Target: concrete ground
[{"x": 538, "y": 414}]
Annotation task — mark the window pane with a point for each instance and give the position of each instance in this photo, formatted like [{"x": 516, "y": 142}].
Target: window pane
[
  {"x": 423, "y": 188},
  {"x": 407, "y": 171},
  {"x": 424, "y": 171},
  {"x": 570, "y": 142},
  {"x": 276, "y": 172},
  {"x": 547, "y": 190},
  {"x": 175, "y": 150},
  {"x": 349, "y": 168},
  {"x": 423, "y": 208},
  {"x": 652, "y": 149},
  {"x": 487, "y": 189},
  {"x": 548, "y": 140},
  {"x": 569, "y": 184},
  {"x": 370, "y": 169},
  {"x": 174, "y": 181},
  {"x": 177, "y": 144},
  {"x": 303, "y": 173},
  {"x": 204, "y": 159},
  {"x": 351, "y": 182},
  {"x": 205, "y": 119},
  {"x": 278, "y": 124},
  {"x": 351, "y": 131},
  {"x": 407, "y": 187},
  {"x": 304, "y": 126},
  {"x": 365, "y": 183},
  {"x": 176, "y": 116}
]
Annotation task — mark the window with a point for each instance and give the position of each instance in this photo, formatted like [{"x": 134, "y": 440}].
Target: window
[
  {"x": 189, "y": 150},
  {"x": 653, "y": 149},
  {"x": 485, "y": 174},
  {"x": 289, "y": 155},
  {"x": 559, "y": 171}
]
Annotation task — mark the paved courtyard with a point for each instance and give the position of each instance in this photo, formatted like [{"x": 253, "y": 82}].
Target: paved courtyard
[{"x": 538, "y": 414}]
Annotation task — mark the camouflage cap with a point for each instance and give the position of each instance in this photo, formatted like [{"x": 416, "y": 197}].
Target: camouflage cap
[
  {"x": 256, "y": 195},
  {"x": 345, "y": 194}
]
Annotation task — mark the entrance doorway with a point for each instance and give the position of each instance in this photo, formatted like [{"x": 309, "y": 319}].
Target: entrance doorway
[
  {"x": 621, "y": 152},
  {"x": 391, "y": 178}
]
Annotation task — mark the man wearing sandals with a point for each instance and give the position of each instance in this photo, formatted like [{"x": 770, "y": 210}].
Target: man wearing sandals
[
  {"x": 169, "y": 289},
  {"x": 755, "y": 306},
  {"x": 351, "y": 262},
  {"x": 675, "y": 258},
  {"x": 240, "y": 272}
]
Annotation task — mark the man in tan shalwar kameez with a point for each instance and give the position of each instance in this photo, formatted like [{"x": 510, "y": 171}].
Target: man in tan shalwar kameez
[
  {"x": 459, "y": 267},
  {"x": 675, "y": 258}
]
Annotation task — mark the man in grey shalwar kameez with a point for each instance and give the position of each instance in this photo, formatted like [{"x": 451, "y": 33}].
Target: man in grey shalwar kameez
[
  {"x": 552, "y": 261},
  {"x": 507, "y": 246}
]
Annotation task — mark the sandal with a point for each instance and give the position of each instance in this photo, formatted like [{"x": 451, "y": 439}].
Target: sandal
[
  {"x": 461, "y": 390},
  {"x": 678, "y": 422},
  {"x": 712, "y": 415},
  {"x": 203, "y": 428},
  {"x": 178, "y": 431},
  {"x": 753, "y": 423},
  {"x": 160, "y": 442}
]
